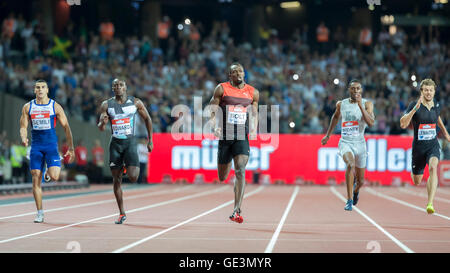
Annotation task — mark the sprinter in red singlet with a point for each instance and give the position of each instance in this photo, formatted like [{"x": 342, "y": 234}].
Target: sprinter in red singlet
[{"x": 238, "y": 102}]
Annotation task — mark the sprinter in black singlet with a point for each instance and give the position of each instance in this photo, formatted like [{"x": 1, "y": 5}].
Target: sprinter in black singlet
[
  {"x": 424, "y": 116},
  {"x": 121, "y": 111}
]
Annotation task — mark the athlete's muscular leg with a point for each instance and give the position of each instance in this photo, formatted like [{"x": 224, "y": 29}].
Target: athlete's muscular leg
[
  {"x": 359, "y": 172},
  {"x": 223, "y": 170},
  {"x": 433, "y": 179},
  {"x": 133, "y": 173},
  {"x": 37, "y": 190},
  {"x": 240, "y": 161},
  {"x": 349, "y": 160},
  {"x": 416, "y": 178},
  {"x": 54, "y": 172},
  {"x": 117, "y": 181}
]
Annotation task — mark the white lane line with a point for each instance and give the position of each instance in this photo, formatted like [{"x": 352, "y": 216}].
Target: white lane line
[
  {"x": 379, "y": 194},
  {"x": 273, "y": 241},
  {"x": 115, "y": 215},
  {"x": 96, "y": 203},
  {"x": 127, "y": 247},
  {"x": 79, "y": 194},
  {"x": 424, "y": 195},
  {"x": 395, "y": 240}
]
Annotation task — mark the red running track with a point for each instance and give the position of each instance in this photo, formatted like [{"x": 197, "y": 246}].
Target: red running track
[{"x": 194, "y": 219}]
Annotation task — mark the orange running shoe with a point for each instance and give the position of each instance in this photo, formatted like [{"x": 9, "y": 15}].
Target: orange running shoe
[
  {"x": 236, "y": 217},
  {"x": 121, "y": 219}
]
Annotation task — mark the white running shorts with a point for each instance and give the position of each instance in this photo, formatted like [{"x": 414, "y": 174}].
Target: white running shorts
[{"x": 358, "y": 149}]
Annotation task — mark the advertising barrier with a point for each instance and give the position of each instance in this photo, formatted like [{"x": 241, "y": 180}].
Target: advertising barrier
[{"x": 292, "y": 159}]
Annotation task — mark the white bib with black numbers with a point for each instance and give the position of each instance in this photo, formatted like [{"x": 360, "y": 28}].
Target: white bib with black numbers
[
  {"x": 426, "y": 132},
  {"x": 236, "y": 114},
  {"x": 122, "y": 117},
  {"x": 121, "y": 127},
  {"x": 350, "y": 129},
  {"x": 41, "y": 116}
]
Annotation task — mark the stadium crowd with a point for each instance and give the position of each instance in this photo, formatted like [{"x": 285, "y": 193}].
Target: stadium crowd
[{"x": 305, "y": 80}]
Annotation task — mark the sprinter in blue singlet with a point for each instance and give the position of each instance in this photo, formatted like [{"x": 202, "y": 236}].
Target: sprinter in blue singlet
[{"x": 43, "y": 112}]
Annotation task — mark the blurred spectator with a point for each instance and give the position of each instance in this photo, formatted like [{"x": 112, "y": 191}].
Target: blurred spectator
[
  {"x": 5, "y": 162},
  {"x": 81, "y": 157},
  {"x": 143, "y": 159},
  {"x": 365, "y": 39},
  {"x": 98, "y": 161},
  {"x": 445, "y": 150},
  {"x": 163, "y": 30},
  {"x": 107, "y": 30},
  {"x": 9, "y": 26},
  {"x": 322, "y": 37},
  {"x": 2, "y": 155},
  {"x": 18, "y": 153}
]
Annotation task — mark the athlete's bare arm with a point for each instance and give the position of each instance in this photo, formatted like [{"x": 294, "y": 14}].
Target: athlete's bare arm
[
  {"x": 405, "y": 120},
  {"x": 24, "y": 120},
  {"x": 333, "y": 122},
  {"x": 367, "y": 113},
  {"x": 215, "y": 100},
  {"x": 103, "y": 116},
  {"x": 254, "y": 115},
  {"x": 444, "y": 130},
  {"x": 61, "y": 116},
  {"x": 147, "y": 120}
]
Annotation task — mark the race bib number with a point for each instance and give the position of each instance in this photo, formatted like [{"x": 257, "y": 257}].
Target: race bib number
[
  {"x": 350, "y": 128},
  {"x": 121, "y": 127},
  {"x": 426, "y": 132},
  {"x": 237, "y": 115},
  {"x": 41, "y": 121}
]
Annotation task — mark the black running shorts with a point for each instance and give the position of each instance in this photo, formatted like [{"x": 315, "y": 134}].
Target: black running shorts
[
  {"x": 123, "y": 151},
  {"x": 228, "y": 149},
  {"x": 421, "y": 156}
]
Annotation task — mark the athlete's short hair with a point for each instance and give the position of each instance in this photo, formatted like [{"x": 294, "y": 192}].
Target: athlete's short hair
[
  {"x": 41, "y": 81},
  {"x": 119, "y": 80},
  {"x": 354, "y": 81},
  {"x": 234, "y": 63},
  {"x": 427, "y": 82}
]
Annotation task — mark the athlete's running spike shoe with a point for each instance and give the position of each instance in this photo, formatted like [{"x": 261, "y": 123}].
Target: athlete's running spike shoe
[
  {"x": 47, "y": 177},
  {"x": 236, "y": 217},
  {"x": 39, "y": 218},
  {"x": 355, "y": 195},
  {"x": 121, "y": 219},
  {"x": 430, "y": 209},
  {"x": 348, "y": 206}
]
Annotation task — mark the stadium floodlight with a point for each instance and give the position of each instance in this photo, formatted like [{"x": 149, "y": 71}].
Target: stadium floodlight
[
  {"x": 295, "y": 77},
  {"x": 187, "y": 21},
  {"x": 413, "y": 78},
  {"x": 387, "y": 19},
  {"x": 180, "y": 27},
  {"x": 336, "y": 81},
  {"x": 290, "y": 5}
]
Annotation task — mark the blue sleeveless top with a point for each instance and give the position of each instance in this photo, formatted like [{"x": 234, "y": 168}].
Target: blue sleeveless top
[{"x": 43, "y": 123}]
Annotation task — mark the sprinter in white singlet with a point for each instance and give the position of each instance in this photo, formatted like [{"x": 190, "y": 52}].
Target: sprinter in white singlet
[{"x": 356, "y": 114}]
